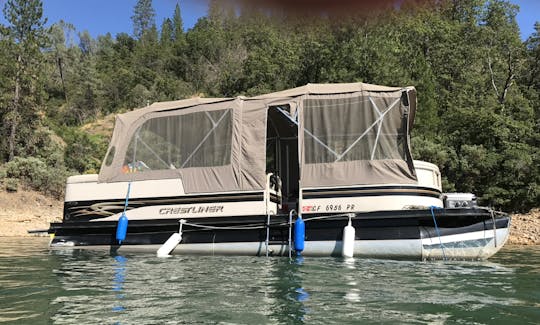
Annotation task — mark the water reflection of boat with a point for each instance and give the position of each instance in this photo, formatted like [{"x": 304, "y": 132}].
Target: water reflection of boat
[
  {"x": 234, "y": 168},
  {"x": 119, "y": 279}
]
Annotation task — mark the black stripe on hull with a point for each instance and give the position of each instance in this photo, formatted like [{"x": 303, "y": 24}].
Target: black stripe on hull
[
  {"x": 370, "y": 191},
  {"x": 75, "y": 211},
  {"x": 409, "y": 224}
]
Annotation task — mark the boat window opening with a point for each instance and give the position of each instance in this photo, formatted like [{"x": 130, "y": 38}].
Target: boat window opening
[
  {"x": 110, "y": 156},
  {"x": 349, "y": 129},
  {"x": 212, "y": 144},
  {"x": 282, "y": 152},
  {"x": 271, "y": 155},
  {"x": 200, "y": 139}
]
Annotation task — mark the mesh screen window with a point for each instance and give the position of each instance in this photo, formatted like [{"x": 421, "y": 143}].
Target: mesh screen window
[
  {"x": 201, "y": 139},
  {"x": 349, "y": 129}
]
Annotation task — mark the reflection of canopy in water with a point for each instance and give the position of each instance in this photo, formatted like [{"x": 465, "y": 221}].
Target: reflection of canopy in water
[{"x": 349, "y": 134}]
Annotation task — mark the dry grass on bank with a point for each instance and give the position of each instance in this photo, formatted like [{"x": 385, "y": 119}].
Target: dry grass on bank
[{"x": 27, "y": 210}]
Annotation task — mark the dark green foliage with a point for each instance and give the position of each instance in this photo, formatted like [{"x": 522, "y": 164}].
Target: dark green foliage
[
  {"x": 48, "y": 147},
  {"x": 478, "y": 84},
  {"x": 84, "y": 151},
  {"x": 166, "y": 33},
  {"x": 21, "y": 67},
  {"x": 178, "y": 24},
  {"x": 35, "y": 173},
  {"x": 443, "y": 156}
]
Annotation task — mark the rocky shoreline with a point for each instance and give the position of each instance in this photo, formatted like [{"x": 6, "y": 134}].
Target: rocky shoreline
[
  {"x": 525, "y": 228},
  {"x": 28, "y": 210}
]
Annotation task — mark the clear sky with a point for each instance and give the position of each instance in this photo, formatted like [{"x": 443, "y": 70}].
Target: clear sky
[
  {"x": 529, "y": 13},
  {"x": 114, "y": 16}
]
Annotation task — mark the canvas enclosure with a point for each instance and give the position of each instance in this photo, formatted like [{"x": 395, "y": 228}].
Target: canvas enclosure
[
  {"x": 352, "y": 133},
  {"x": 348, "y": 134},
  {"x": 355, "y": 138},
  {"x": 209, "y": 144}
]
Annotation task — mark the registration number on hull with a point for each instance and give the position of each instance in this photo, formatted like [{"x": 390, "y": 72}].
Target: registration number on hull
[{"x": 328, "y": 208}]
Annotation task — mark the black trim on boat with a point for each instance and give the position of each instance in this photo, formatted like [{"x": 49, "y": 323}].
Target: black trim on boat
[
  {"x": 95, "y": 209},
  {"x": 380, "y": 225},
  {"x": 370, "y": 191}
]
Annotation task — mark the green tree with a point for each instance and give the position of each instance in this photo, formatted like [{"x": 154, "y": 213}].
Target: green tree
[
  {"x": 87, "y": 44},
  {"x": 59, "y": 51},
  {"x": 166, "y": 32},
  {"x": 272, "y": 58},
  {"x": 532, "y": 75},
  {"x": 503, "y": 47},
  {"x": 178, "y": 24},
  {"x": 178, "y": 61},
  {"x": 116, "y": 71},
  {"x": 143, "y": 18},
  {"x": 25, "y": 36}
]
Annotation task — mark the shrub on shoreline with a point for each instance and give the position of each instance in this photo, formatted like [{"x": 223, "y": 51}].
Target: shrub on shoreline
[{"x": 37, "y": 175}]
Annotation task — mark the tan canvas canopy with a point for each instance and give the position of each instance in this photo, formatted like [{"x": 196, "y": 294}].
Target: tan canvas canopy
[{"x": 348, "y": 134}]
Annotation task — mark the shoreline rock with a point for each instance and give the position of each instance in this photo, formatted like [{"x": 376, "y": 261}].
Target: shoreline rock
[{"x": 525, "y": 228}]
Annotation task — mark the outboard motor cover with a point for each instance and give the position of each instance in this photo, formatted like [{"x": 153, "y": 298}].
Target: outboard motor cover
[{"x": 460, "y": 200}]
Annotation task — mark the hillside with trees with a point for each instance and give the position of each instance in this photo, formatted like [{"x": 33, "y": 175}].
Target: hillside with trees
[{"x": 478, "y": 83}]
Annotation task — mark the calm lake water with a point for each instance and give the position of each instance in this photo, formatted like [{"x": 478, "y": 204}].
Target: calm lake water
[{"x": 38, "y": 286}]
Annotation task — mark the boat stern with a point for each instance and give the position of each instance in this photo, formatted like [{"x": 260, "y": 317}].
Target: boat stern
[{"x": 474, "y": 245}]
